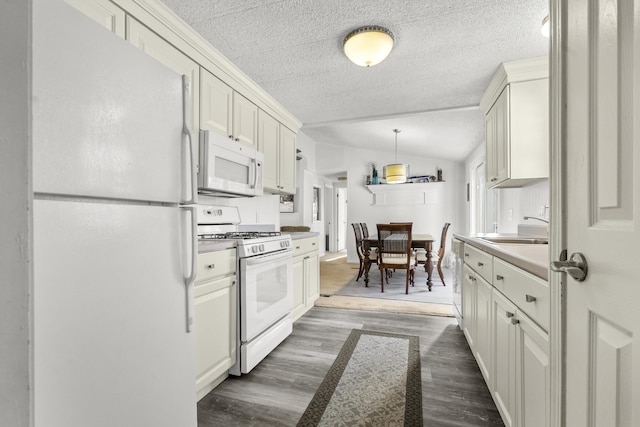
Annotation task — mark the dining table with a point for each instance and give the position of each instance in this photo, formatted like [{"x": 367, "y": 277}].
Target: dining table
[{"x": 418, "y": 241}]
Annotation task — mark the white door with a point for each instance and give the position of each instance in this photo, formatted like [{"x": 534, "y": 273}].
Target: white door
[{"x": 601, "y": 56}]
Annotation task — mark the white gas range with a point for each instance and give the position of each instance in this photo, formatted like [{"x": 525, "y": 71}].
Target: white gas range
[{"x": 265, "y": 277}]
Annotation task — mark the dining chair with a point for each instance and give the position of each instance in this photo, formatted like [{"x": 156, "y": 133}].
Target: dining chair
[
  {"x": 394, "y": 252},
  {"x": 421, "y": 254},
  {"x": 373, "y": 257}
]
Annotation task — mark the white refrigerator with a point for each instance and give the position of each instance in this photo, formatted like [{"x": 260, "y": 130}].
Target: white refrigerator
[{"x": 114, "y": 242}]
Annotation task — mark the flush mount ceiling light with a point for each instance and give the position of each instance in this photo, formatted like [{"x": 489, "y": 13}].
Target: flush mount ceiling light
[
  {"x": 546, "y": 27},
  {"x": 367, "y": 46},
  {"x": 396, "y": 173}
]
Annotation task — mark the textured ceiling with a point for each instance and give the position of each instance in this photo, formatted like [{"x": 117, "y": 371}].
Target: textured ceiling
[{"x": 444, "y": 56}]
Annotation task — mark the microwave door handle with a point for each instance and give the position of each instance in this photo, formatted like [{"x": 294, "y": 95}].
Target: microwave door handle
[
  {"x": 187, "y": 136},
  {"x": 255, "y": 173}
]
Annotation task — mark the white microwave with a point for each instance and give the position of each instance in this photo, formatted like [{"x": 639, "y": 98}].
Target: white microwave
[{"x": 228, "y": 168}]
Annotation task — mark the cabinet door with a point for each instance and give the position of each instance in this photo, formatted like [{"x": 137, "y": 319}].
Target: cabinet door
[
  {"x": 103, "y": 12},
  {"x": 502, "y": 132},
  {"x": 151, "y": 43},
  {"x": 490, "y": 146},
  {"x": 287, "y": 161},
  {"x": 245, "y": 120},
  {"x": 215, "y": 331},
  {"x": 312, "y": 278},
  {"x": 216, "y": 101},
  {"x": 483, "y": 327},
  {"x": 503, "y": 348},
  {"x": 298, "y": 287},
  {"x": 533, "y": 374},
  {"x": 268, "y": 142},
  {"x": 469, "y": 306}
]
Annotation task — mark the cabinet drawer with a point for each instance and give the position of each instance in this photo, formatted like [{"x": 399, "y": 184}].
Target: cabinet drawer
[
  {"x": 204, "y": 288},
  {"x": 529, "y": 293},
  {"x": 302, "y": 246},
  {"x": 216, "y": 264},
  {"x": 479, "y": 261}
]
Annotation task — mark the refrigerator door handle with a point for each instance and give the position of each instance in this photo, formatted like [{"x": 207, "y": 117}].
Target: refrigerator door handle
[
  {"x": 192, "y": 244},
  {"x": 188, "y": 137}
]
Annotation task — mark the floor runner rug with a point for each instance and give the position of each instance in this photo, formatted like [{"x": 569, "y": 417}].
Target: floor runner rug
[{"x": 374, "y": 381}]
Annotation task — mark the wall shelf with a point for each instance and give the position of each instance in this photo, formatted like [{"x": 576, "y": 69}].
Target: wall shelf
[{"x": 423, "y": 193}]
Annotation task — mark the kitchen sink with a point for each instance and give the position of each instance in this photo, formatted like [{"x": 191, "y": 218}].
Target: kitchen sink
[{"x": 517, "y": 240}]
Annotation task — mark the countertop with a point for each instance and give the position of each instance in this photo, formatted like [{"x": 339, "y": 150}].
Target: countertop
[
  {"x": 215, "y": 245},
  {"x": 295, "y": 235},
  {"x": 531, "y": 258}
]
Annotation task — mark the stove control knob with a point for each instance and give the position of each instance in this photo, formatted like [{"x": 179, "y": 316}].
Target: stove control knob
[
  {"x": 254, "y": 249},
  {"x": 261, "y": 247}
]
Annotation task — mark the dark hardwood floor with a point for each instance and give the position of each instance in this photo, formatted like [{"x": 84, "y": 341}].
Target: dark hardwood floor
[{"x": 278, "y": 390}]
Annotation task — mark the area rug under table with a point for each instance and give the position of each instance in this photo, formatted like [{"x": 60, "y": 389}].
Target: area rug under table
[{"x": 374, "y": 381}]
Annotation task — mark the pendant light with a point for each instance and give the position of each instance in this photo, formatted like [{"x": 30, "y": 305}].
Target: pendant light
[
  {"x": 367, "y": 46},
  {"x": 396, "y": 173}
]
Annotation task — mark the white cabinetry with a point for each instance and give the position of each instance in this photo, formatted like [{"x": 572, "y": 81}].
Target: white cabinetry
[
  {"x": 306, "y": 275},
  {"x": 154, "y": 45},
  {"x": 278, "y": 144},
  {"x": 215, "y": 318},
  {"x": 226, "y": 111},
  {"x": 103, "y": 12},
  {"x": 516, "y": 107},
  {"x": 506, "y": 312},
  {"x": 477, "y": 270}
]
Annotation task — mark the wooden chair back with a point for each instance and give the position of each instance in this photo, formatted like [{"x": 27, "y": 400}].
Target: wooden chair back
[
  {"x": 443, "y": 239},
  {"x": 365, "y": 229},
  {"x": 358, "y": 235},
  {"x": 397, "y": 245}
]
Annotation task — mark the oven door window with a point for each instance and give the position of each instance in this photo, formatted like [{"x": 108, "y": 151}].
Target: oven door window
[{"x": 266, "y": 292}]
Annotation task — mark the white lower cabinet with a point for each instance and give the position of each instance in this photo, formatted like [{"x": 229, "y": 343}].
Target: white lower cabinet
[
  {"x": 215, "y": 318},
  {"x": 306, "y": 275},
  {"x": 503, "y": 347},
  {"x": 483, "y": 327},
  {"x": 533, "y": 374},
  {"x": 470, "y": 291},
  {"x": 512, "y": 349}
]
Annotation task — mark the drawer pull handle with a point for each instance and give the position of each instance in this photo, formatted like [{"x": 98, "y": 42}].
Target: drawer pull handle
[
  {"x": 499, "y": 277},
  {"x": 466, "y": 254},
  {"x": 480, "y": 264},
  {"x": 530, "y": 298},
  {"x": 514, "y": 321},
  {"x": 211, "y": 266},
  {"x": 509, "y": 314}
]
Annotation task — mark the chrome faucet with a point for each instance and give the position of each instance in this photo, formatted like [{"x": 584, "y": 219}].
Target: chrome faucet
[{"x": 539, "y": 219}]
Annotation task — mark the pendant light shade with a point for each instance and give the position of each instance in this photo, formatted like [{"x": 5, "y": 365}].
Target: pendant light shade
[
  {"x": 367, "y": 46},
  {"x": 396, "y": 173}
]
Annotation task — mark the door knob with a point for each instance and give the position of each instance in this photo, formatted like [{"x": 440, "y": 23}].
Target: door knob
[{"x": 575, "y": 267}]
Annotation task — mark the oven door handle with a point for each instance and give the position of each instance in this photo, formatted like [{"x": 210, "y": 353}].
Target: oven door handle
[{"x": 261, "y": 259}]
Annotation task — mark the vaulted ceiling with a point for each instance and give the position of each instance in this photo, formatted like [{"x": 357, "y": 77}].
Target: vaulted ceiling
[{"x": 445, "y": 53}]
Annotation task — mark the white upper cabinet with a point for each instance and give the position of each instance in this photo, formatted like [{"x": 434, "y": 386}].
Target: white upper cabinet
[
  {"x": 226, "y": 111},
  {"x": 245, "y": 120},
  {"x": 278, "y": 144},
  {"x": 516, "y": 107},
  {"x": 154, "y": 45},
  {"x": 103, "y": 12}
]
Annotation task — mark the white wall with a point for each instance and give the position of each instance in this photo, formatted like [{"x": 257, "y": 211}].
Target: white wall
[
  {"x": 427, "y": 218},
  {"x": 515, "y": 203},
  {"x": 15, "y": 224}
]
